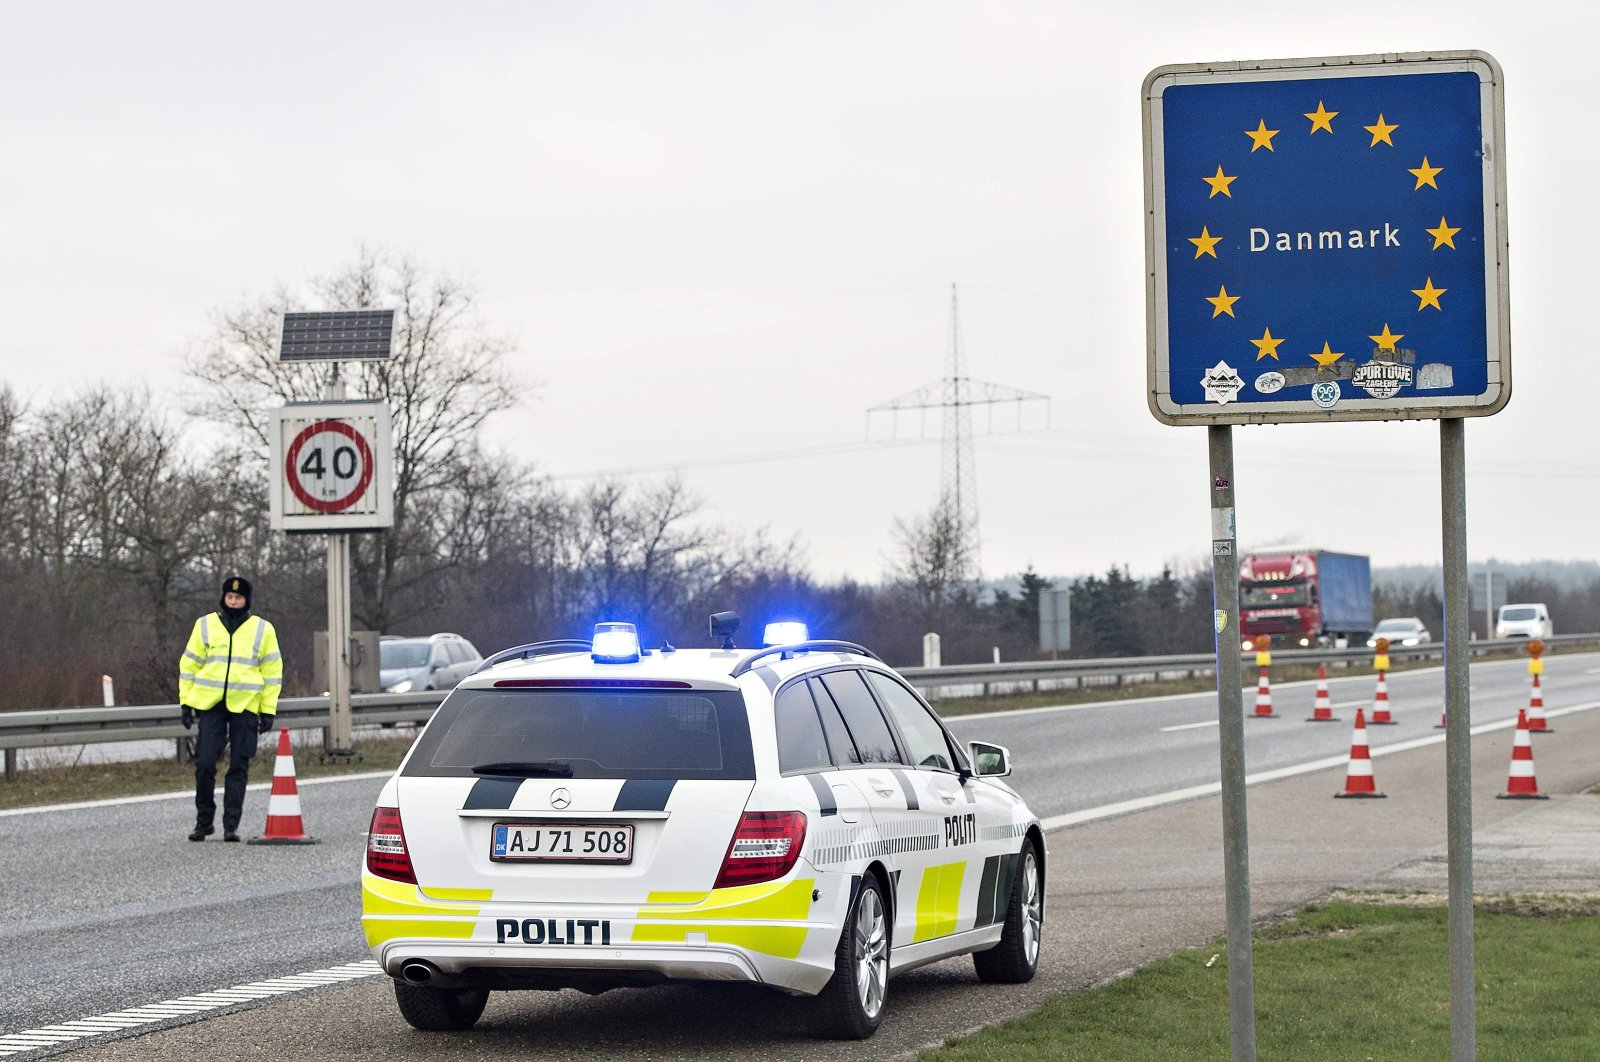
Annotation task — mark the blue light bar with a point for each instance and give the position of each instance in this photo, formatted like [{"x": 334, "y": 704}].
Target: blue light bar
[
  {"x": 615, "y": 643},
  {"x": 784, "y": 633}
]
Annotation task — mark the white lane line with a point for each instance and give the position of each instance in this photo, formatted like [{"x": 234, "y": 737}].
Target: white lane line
[
  {"x": 1188, "y": 726},
  {"x": 187, "y": 794},
  {"x": 151, "y": 1013},
  {"x": 1156, "y": 800}
]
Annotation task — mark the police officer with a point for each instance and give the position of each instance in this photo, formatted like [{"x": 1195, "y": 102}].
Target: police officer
[{"x": 230, "y": 675}]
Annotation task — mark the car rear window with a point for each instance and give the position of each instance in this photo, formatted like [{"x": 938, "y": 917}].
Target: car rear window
[{"x": 598, "y": 733}]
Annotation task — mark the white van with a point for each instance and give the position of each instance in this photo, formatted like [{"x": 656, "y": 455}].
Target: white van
[{"x": 1523, "y": 621}]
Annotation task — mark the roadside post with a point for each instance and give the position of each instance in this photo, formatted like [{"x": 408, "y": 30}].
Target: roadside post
[
  {"x": 332, "y": 473},
  {"x": 1325, "y": 241}
]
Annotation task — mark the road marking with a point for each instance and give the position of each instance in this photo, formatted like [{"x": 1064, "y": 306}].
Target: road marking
[
  {"x": 187, "y": 794},
  {"x": 1188, "y": 726},
  {"x": 68, "y": 1031},
  {"x": 1156, "y": 800}
]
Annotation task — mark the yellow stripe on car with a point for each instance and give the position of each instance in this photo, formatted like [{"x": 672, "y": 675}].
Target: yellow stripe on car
[
  {"x": 939, "y": 900},
  {"x": 743, "y": 916},
  {"x": 391, "y": 909}
]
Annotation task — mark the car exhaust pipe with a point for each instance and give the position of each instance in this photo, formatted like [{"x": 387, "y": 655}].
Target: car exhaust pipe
[{"x": 418, "y": 972}]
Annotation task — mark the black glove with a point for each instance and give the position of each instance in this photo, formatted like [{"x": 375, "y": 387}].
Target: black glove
[
  {"x": 188, "y": 717},
  {"x": 264, "y": 724}
]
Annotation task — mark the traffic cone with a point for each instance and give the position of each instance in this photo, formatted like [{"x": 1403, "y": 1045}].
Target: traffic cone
[
  {"x": 283, "y": 806},
  {"x": 1522, "y": 785},
  {"x": 1380, "y": 702},
  {"x": 1322, "y": 709},
  {"x": 1264, "y": 697},
  {"x": 1536, "y": 722},
  {"x": 1358, "y": 778},
  {"x": 1443, "y": 718}
]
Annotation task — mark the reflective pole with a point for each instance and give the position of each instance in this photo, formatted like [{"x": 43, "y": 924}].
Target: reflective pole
[
  {"x": 1230, "y": 721},
  {"x": 339, "y": 739},
  {"x": 1457, "y": 736}
]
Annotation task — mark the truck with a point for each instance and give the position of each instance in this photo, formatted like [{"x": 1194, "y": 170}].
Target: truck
[{"x": 1303, "y": 597}]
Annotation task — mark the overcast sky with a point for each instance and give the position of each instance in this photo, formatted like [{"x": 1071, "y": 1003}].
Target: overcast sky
[{"x": 718, "y": 233}]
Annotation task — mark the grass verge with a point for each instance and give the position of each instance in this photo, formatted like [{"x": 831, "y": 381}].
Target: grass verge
[
  {"x": 1358, "y": 977},
  {"x": 67, "y": 784}
]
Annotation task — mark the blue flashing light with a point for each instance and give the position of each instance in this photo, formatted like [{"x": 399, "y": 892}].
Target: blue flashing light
[
  {"x": 786, "y": 632},
  {"x": 615, "y": 643}
]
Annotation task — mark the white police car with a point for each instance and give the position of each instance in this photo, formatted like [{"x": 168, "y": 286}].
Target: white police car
[{"x": 593, "y": 815}]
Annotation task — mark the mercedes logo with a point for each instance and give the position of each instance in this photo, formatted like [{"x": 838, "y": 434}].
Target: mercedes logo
[{"x": 560, "y": 798}]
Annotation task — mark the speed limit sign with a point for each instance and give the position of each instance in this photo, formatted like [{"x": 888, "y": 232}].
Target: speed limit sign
[{"x": 331, "y": 465}]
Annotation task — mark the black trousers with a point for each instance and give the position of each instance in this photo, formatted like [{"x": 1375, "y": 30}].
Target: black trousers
[{"x": 219, "y": 727}]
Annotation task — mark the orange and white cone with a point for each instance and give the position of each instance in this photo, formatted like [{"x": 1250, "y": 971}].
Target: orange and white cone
[
  {"x": 1444, "y": 714},
  {"x": 1536, "y": 721},
  {"x": 1264, "y": 697},
  {"x": 1380, "y": 702},
  {"x": 1522, "y": 785},
  {"x": 283, "y": 806},
  {"x": 1322, "y": 709},
  {"x": 1358, "y": 781}
]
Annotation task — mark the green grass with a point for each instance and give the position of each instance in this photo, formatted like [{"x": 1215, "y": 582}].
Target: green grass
[
  {"x": 69, "y": 783},
  {"x": 1356, "y": 978}
]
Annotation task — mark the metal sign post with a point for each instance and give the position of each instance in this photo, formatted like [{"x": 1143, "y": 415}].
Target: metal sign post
[
  {"x": 333, "y": 472},
  {"x": 1325, "y": 241},
  {"x": 1055, "y": 621}
]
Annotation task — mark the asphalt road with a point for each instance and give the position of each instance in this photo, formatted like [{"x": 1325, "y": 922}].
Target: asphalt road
[{"x": 111, "y": 908}]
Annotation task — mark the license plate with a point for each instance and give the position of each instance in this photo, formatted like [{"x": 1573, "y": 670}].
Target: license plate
[{"x": 551, "y": 842}]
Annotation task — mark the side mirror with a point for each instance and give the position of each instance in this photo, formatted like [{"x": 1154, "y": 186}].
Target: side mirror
[{"x": 989, "y": 761}]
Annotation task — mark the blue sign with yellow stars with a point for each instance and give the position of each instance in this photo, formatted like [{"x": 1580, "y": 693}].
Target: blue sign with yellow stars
[{"x": 1326, "y": 239}]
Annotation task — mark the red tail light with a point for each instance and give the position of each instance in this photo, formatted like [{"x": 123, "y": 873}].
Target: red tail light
[
  {"x": 386, "y": 847},
  {"x": 765, "y": 846}
]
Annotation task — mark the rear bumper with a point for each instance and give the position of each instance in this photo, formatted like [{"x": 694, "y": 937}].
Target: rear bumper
[
  {"x": 771, "y": 934},
  {"x": 463, "y": 964}
]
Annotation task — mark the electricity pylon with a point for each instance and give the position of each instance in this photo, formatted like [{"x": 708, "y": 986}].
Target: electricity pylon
[{"x": 954, "y": 396}]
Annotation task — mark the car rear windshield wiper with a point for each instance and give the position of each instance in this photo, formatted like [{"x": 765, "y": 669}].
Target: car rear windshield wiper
[{"x": 527, "y": 768}]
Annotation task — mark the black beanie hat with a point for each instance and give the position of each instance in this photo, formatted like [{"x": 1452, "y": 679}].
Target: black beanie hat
[{"x": 237, "y": 584}]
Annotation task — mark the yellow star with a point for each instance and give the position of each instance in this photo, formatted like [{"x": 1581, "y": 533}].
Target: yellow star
[
  {"x": 1388, "y": 339},
  {"x": 1262, "y": 137},
  {"x": 1429, "y": 296},
  {"x": 1326, "y": 358},
  {"x": 1380, "y": 132},
  {"x": 1205, "y": 243},
  {"x": 1444, "y": 235},
  {"x": 1266, "y": 346},
  {"x": 1220, "y": 183},
  {"x": 1322, "y": 118},
  {"x": 1223, "y": 302},
  {"x": 1426, "y": 173}
]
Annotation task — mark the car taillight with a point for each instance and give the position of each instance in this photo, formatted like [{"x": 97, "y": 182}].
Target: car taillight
[
  {"x": 386, "y": 847},
  {"x": 764, "y": 846}
]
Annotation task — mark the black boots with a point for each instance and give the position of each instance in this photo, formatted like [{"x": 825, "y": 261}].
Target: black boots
[{"x": 202, "y": 832}]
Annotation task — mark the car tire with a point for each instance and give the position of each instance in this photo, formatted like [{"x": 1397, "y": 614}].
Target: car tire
[
  {"x": 1015, "y": 959},
  {"x": 440, "y": 1009},
  {"x": 850, "y": 1006}
]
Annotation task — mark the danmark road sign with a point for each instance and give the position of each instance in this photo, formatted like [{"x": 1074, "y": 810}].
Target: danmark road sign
[{"x": 1326, "y": 239}]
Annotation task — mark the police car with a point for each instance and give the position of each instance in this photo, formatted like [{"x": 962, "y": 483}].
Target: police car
[{"x": 595, "y": 815}]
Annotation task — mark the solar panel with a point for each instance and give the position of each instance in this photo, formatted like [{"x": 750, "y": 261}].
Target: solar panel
[{"x": 338, "y": 335}]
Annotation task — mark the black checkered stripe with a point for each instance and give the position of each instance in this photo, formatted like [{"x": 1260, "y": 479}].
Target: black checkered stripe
[
  {"x": 1001, "y": 833},
  {"x": 845, "y": 846}
]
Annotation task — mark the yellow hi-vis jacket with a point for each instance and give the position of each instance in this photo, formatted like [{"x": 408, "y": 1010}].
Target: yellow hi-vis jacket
[{"x": 245, "y": 666}]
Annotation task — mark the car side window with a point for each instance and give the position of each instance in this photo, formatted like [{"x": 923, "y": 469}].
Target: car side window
[
  {"x": 874, "y": 741},
  {"x": 801, "y": 745},
  {"x": 458, "y": 652},
  {"x": 839, "y": 743},
  {"x": 924, "y": 737}
]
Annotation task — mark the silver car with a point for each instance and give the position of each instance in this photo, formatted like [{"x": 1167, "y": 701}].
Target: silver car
[
  {"x": 427, "y": 662},
  {"x": 1407, "y": 631}
]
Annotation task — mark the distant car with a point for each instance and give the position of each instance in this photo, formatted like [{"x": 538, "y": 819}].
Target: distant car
[
  {"x": 1407, "y": 631},
  {"x": 428, "y": 662},
  {"x": 1530, "y": 620},
  {"x": 598, "y": 815}
]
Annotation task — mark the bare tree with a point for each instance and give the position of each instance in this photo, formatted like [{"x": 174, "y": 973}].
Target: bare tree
[
  {"x": 444, "y": 381},
  {"x": 934, "y": 564}
]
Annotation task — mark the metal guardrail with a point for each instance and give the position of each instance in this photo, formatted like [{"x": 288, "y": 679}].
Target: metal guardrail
[{"x": 56, "y": 727}]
